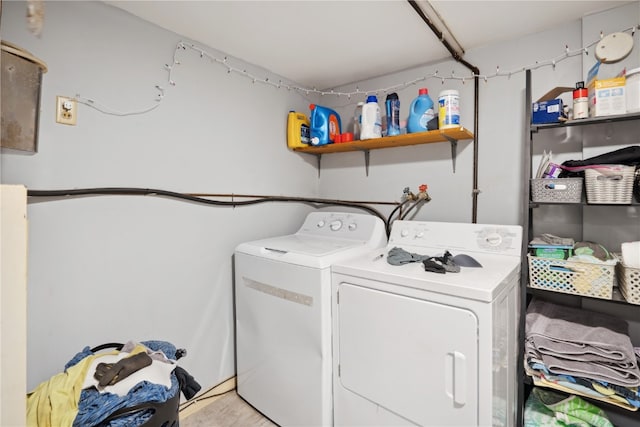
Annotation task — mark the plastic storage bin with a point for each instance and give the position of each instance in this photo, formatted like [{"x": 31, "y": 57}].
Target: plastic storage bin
[
  {"x": 556, "y": 190},
  {"x": 611, "y": 184},
  {"x": 571, "y": 277},
  {"x": 633, "y": 90},
  {"x": 629, "y": 283}
]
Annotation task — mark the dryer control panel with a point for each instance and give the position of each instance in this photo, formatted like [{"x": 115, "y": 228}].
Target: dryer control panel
[{"x": 502, "y": 239}]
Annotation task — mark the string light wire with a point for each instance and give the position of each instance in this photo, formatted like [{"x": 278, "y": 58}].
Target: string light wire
[{"x": 305, "y": 91}]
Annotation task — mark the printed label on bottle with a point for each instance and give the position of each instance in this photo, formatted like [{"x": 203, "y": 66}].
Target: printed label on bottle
[
  {"x": 426, "y": 117},
  {"x": 305, "y": 134}
]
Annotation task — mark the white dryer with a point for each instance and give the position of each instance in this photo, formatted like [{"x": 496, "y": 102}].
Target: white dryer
[
  {"x": 283, "y": 314},
  {"x": 413, "y": 347}
]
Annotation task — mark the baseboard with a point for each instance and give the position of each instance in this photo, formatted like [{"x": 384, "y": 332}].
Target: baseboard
[{"x": 195, "y": 404}]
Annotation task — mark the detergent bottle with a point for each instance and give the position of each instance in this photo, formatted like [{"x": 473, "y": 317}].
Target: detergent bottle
[
  {"x": 421, "y": 112},
  {"x": 297, "y": 130},
  {"x": 325, "y": 125},
  {"x": 371, "y": 121}
]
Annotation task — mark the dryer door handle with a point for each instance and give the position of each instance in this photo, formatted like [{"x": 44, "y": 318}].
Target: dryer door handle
[{"x": 456, "y": 377}]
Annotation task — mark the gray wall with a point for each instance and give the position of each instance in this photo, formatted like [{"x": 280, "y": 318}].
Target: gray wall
[{"x": 117, "y": 268}]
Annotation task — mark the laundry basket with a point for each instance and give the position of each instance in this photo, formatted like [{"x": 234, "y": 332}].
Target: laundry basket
[
  {"x": 609, "y": 184},
  {"x": 571, "y": 277},
  {"x": 556, "y": 190},
  {"x": 149, "y": 396},
  {"x": 629, "y": 283},
  {"x": 150, "y": 413}
]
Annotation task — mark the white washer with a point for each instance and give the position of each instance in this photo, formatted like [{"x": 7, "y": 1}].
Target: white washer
[
  {"x": 412, "y": 347},
  {"x": 283, "y": 314}
]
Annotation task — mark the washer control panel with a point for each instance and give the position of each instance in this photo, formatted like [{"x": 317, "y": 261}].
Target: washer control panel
[{"x": 343, "y": 225}]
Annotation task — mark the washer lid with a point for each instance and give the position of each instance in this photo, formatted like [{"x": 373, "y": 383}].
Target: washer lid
[{"x": 311, "y": 251}]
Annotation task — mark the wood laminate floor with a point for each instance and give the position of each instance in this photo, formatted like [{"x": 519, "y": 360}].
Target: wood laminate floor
[{"x": 229, "y": 410}]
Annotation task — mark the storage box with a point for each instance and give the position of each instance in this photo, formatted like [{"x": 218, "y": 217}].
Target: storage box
[
  {"x": 550, "y": 252},
  {"x": 21, "y": 82},
  {"x": 547, "y": 111},
  {"x": 606, "y": 96},
  {"x": 549, "y": 108},
  {"x": 611, "y": 184},
  {"x": 556, "y": 190},
  {"x": 629, "y": 283},
  {"x": 571, "y": 277}
]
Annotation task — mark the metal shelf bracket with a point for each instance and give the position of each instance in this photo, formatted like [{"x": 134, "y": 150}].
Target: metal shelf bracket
[{"x": 454, "y": 151}]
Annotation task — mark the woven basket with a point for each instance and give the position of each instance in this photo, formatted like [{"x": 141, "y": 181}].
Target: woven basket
[
  {"x": 629, "y": 283},
  {"x": 571, "y": 277},
  {"x": 556, "y": 190},
  {"x": 611, "y": 184}
]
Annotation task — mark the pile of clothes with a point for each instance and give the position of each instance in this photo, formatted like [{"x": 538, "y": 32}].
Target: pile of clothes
[
  {"x": 94, "y": 386},
  {"x": 581, "y": 352}
]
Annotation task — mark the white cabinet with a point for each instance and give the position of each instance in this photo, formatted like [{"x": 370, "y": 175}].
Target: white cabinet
[{"x": 13, "y": 305}]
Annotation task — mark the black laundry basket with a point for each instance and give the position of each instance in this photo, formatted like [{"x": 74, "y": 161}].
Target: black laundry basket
[{"x": 163, "y": 414}]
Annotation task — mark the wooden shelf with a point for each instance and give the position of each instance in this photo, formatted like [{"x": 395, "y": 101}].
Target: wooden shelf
[
  {"x": 440, "y": 135},
  {"x": 452, "y": 135}
]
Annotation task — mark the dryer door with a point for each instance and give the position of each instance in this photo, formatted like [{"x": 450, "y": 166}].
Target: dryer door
[{"x": 415, "y": 358}]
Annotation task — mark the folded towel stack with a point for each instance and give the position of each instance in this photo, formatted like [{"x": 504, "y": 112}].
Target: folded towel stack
[{"x": 566, "y": 345}]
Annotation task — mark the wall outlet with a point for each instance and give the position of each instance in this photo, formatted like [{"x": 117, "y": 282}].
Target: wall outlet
[{"x": 66, "y": 110}]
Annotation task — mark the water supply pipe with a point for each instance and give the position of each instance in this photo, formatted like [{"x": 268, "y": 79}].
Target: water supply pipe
[{"x": 476, "y": 87}]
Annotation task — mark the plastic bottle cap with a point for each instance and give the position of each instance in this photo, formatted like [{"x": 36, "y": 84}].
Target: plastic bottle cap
[
  {"x": 372, "y": 98},
  {"x": 312, "y": 106},
  {"x": 580, "y": 93},
  {"x": 423, "y": 91}
]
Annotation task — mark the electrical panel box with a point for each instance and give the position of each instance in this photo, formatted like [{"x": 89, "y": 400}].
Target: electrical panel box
[{"x": 21, "y": 87}]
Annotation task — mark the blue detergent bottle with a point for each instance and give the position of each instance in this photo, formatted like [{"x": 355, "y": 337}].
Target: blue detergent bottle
[
  {"x": 421, "y": 112},
  {"x": 325, "y": 125}
]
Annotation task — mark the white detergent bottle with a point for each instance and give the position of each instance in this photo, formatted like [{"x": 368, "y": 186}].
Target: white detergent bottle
[{"x": 371, "y": 122}]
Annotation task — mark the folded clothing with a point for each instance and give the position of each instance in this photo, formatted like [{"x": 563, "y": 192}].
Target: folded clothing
[
  {"x": 581, "y": 342},
  {"x": 548, "y": 408}
]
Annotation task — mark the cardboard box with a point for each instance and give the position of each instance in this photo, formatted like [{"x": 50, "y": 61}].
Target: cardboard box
[
  {"x": 547, "y": 111},
  {"x": 607, "y": 97},
  {"x": 549, "y": 108}
]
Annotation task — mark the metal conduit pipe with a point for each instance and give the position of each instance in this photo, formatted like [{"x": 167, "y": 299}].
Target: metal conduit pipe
[
  {"x": 476, "y": 86},
  {"x": 132, "y": 191}
]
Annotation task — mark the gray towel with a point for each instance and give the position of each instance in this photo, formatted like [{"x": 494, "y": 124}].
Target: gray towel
[
  {"x": 582, "y": 343},
  {"x": 614, "y": 374},
  {"x": 398, "y": 256}
]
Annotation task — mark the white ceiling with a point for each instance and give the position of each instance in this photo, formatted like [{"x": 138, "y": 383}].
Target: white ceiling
[{"x": 327, "y": 43}]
